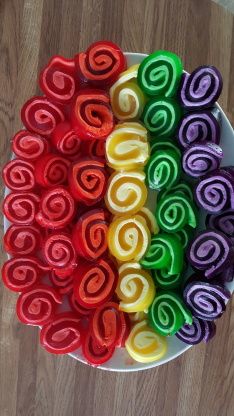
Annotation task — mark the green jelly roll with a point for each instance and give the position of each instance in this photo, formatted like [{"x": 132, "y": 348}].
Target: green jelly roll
[
  {"x": 165, "y": 144},
  {"x": 163, "y": 169},
  {"x": 182, "y": 188},
  {"x": 165, "y": 280}
]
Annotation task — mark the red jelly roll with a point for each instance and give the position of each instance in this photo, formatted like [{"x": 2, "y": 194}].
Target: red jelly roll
[
  {"x": 62, "y": 334},
  {"x": 67, "y": 141},
  {"x": 63, "y": 284},
  {"x": 76, "y": 307},
  {"x": 21, "y": 273},
  {"x": 51, "y": 170},
  {"x": 101, "y": 64},
  {"x": 38, "y": 305},
  {"x": 21, "y": 207},
  {"x": 94, "y": 284},
  {"x": 22, "y": 240},
  {"x": 90, "y": 234},
  {"x": 59, "y": 252},
  {"x": 57, "y": 208},
  {"x": 29, "y": 146},
  {"x": 18, "y": 175},
  {"x": 95, "y": 353},
  {"x": 88, "y": 181},
  {"x": 58, "y": 79},
  {"x": 92, "y": 116},
  {"x": 41, "y": 116},
  {"x": 94, "y": 148}
]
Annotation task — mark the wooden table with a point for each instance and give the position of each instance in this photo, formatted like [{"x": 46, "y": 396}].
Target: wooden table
[{"x": 32, "y": 382}]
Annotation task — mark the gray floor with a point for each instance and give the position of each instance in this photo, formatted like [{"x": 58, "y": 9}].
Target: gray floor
[{"x": 228, "y": 4}]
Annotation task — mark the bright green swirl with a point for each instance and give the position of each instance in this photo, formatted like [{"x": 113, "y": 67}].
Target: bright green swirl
[
  {"x": 161, "y": 116},
  {"x": 165, "y": 252},
  {"x": 168, "y": 313},
  {"x": 182, "y": 188},
  {"x": 185, "y": 236},
  {"x": 165, "y": 145},
  {"x": 163, "y": 169},
  {"x": 164, "y": 280},
  {"x": 160, "y": 73},
  {"x": 173, "y": 212}
]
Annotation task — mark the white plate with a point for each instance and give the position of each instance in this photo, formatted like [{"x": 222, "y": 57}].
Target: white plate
[{"x": 121, "y": 360}]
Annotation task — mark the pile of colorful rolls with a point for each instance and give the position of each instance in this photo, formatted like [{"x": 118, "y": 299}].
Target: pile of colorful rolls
[{"x": 94, "y": 266}]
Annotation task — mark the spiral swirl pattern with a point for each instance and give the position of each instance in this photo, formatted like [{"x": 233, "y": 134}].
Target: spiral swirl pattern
[
  {"x": 76, "y": 307},
  {"x": 38, "y": 305},
  {"x": 59, "y": 252},
  {"x": 67, "y": 141},
  {"x": 201, "y": 88},
  {"x": 22, "y": 240},
  {"x": 18, "y": 175},
  {"x": 165, "y": 145},
  {"x": 94, "y": 352},
  {"x": 168, "y": 313},
  {"x": 163, "y": 170},
  {"x": 126, "y": 192},
  {"x": 20, "y": 208},
  {"x": 165, "y": 280},
  {"x": 41, "y": 116},
  {"x": 200, "y": 159},
  {"x": 63, "y": 284},
  {"x": 51, "y": 170},
  {"x": 210, "y": 251},
  {"x": 127, "y": 146},
  {"x": 223, "y": 222},
  {"x": 29, "y": 146},
  {"x": 182, "y": 188},
  {"x": 197, "y": 332},
  {"x": 95, "y": 148},
  {"x": 150, "y": 219},
  {"x": 206, "y": 300}
]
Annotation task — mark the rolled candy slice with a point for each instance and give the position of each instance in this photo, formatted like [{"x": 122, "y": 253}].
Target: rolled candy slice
[
  {"x": 127, "y": 146},
  {"x": 108, "y": 323},
  {"x": 21, "y": 273},
  {"x": 165, "y": 280},
  {"x": 200, "y": 159},
  {"x": 38, "y": 305},
  {"x": 57, "y": 208},
  {"x": 185, "y": 235},
  {"x": 165, "y": 145},
  {"x": 144, "y": 344},
  {"x": 92, "y": 116},
  {"x": 135, "y": 288},
  {"x": 62, "y": 334},
  {"x": 29, "y": 146},
  {"x": 163, "y": 170},
  {"x": 101, "y": 64},
  {"x": 128, "y": 238},
  {"x": 22, "y": 240},
  {"x": 89, "y": 235},
  {"x": 223, "y": 222},
  {"x": 67, "y": 141},
  {"x": 126, "y": 192},
  {"x": 161, "y": 116},
  {"x": 168, "y": 313},
  {"x": 227, "y": 274},
  {"x": 94, "y": 148},
  {"x": 20, "y": 207},
  {"x": 206, "y": 300},
  {"x": 197, "y": 332},
  {"x": 58, "y": 79},
  {"x": 137, "y": 316},
  {"x": 150, "y": 219},
  {"x": 182, "y": 188},
  {"x": 88, "y": 181},
  {"x": 165, "y": 252},
  {"x": 159, "y": 74},
  {"x": 210, "y": 251},
  {"x": 201, "y": 88},
  {"x": 63, "y": 284},
  {"x": 95, "y": 283},
  {"x": 76, "y": 307},
  {"x": 94, "y": 352},
  {"x": 127, "y": 98},
  {"x": 51, "y": 170},
  {"x": 18, "y": 175},
  {"x": 59, "y": 251},
  {"x": 174, "y": 212},
  {"x": 198, "y": 127},
  {"x": 41, "y": 116},
  {"x": 215, "y": 191}
]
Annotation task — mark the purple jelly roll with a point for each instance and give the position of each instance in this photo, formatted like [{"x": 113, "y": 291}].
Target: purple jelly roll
[
  {"x": 224, "y": 222},
  {"x": 206, "y": 300},
  {"x": 201, "y": 88},
  {"x": 197, "y": 127},
  {"x": 215, "y": 191},
  {"x": 200, "y": 159},
  {"x": 199, "y": 331},
  {"x": 210, "y": 251},
  {"x": 227, "y": 275}
]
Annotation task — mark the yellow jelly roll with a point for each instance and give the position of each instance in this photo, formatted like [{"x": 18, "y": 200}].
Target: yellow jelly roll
[
  {"x": 150, "y": 219},
  {"x": 137, "y": 316},
  {"x": 127, "y": 98},
  {"x": 144, "y": 344},
  {"x": 135, "y": 288},
  {"x": 126, "y": 192},
  {"x": 127, "y": 147},
  {"x": 128, "y": 238}
]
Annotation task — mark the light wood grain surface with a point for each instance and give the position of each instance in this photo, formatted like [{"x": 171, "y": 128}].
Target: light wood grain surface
[{"x": 32, "y": 382}]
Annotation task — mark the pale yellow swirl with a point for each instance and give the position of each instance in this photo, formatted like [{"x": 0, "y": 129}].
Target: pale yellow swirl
[
  {"x": 150, "y": 219},
  {"x": 127, "y": 146}
]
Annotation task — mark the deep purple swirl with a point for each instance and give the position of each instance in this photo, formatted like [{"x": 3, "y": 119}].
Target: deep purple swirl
[
  {"x": 200, "y": 159},
  {"x": 206, "y": 300},
  {"x": 201, "y": 88},
  {"x": 197, "y": 127},
  {"x": 199, "y": 331},
  {"x": 210, "y": 251},
  {"x": 223, "y": 222},
  {"x": 227, "y": 275},
  {"x": 215, "y": 191}
]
